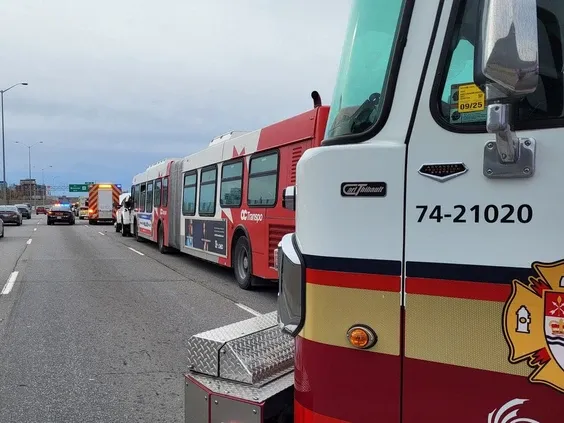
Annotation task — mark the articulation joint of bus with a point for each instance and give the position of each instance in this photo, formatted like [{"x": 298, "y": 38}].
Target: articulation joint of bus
[{"x": 424, "y": 281}]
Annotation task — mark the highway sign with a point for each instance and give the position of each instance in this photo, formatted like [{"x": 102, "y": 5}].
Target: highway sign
[{"x": 78, "y": 188}]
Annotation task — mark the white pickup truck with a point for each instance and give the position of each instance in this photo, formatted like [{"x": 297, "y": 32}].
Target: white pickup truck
[{"x": 123, "y": 215}]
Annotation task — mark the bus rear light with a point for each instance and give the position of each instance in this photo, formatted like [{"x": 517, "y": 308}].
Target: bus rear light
[{"x": 276, "y": 257}]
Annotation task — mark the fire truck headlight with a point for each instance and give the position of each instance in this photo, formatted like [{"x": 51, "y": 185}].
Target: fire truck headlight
[
  {"x": 361, "y": 336},
  {"x": 291, "y": 286}
]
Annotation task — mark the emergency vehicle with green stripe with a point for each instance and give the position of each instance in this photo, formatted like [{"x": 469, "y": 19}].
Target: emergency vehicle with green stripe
[{"x": 424, "y": 282}]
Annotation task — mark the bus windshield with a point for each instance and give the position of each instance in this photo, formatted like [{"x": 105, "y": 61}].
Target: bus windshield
[{"x": 364, "y": 68}]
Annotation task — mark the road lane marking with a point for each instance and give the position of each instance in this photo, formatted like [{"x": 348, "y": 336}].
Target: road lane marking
[
  {"x": 100, "y": 233},
  {"x": 10, "y": 284},
  {"x": 135, "y": 251},
  {"x": 248, "y": 309},
  {"x": 34, "y": 229},
  {"x": 29, "y": 241}
]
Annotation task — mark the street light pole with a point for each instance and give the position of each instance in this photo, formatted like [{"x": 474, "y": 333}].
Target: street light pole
[
  {"x": 5, "y": 183},
  {"x": 29, "y": 165},
  {"x": 44, "y": 195}
]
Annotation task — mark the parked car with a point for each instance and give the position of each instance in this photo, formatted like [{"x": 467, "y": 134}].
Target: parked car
[
  {"x": 11, "y": 214},
  {"x": 24, "y": 210}
]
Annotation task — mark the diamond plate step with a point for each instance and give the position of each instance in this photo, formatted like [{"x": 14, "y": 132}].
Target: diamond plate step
[{"x": 254, "y": 351}]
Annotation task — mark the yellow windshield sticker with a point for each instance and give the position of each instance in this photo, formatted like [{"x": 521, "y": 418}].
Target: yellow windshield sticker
[{"x": 470, "y": 98}]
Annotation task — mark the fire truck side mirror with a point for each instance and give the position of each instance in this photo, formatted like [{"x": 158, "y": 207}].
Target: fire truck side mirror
[
  {"x": 289, "y": 198},
  {"x": 507, "y": 53}
]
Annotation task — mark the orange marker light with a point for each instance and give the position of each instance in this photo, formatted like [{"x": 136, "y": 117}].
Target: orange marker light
[{"x": 361, "y": 337}]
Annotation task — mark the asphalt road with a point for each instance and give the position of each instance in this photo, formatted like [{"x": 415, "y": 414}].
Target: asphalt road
[{"x": 93, "y": 326}]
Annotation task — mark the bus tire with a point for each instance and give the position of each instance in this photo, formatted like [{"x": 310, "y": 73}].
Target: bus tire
[
  {"x": 136, "y": 232},
  {"x": 118, "y": 227},
  {"x": 160, "y": 239},
  {"x": 124, "y": 229},
  {"x": 243, "y": 263}
]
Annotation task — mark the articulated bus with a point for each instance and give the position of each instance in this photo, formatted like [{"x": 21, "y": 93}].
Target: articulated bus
[{"x": 224, "y": 203}]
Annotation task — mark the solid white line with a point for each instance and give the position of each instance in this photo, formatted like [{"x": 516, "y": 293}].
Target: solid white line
[
  {"x": 135, "y": 251},
  {"x": 101, "y": 233},
  {"x": 29, "y": 241},
  {"x": 10, "y": 284},
  {"x": 248, "y": 309},
  {"x": 34, "y": 229}
]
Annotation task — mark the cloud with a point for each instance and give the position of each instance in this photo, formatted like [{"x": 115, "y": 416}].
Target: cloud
[{"x": 114, "y": 86}]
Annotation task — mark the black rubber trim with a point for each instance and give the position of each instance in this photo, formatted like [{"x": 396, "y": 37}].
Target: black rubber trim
[
  {"x": 389, "y": 89},
  {"x": 353, "y": 265},
  {"x": 467, "y": 272},
  {"x": 301, "y": 258}
]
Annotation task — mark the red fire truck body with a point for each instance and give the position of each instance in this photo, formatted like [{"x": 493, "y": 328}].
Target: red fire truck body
[{"x": 425, "y": 278}]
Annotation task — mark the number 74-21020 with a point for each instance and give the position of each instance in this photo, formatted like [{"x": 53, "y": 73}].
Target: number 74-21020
[{"x": 478, "y": 213}]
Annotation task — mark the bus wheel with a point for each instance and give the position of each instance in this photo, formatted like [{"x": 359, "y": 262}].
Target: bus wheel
[
  {"x": 160, "y": 240},
  {"x": 136, "y": 232},
  {"x": 243, "y": 264},
  {"x": 124, "y": 229}
]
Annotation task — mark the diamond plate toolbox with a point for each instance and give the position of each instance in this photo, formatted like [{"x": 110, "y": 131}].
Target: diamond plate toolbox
[{"x": 204, "y": 349}]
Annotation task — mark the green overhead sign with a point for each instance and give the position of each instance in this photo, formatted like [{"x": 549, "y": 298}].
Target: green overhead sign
[{"x": 78, "y": 188}]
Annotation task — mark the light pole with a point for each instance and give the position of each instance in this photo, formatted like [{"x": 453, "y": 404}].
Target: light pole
[
  {"x": 44, "y": 196},
  {"x": 29, "y": 162},
  {"x": 53, "y": 187},
  {"x": 4, "y": 185}
]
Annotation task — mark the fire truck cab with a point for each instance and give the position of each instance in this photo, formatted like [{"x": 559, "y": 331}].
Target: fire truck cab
[{"x": 425, "y": 278}]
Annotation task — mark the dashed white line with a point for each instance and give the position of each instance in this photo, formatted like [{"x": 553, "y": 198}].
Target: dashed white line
[
  {"x": 10, "y": 284},
  {"x": 248, "y": 309},
  {"x": 34, "y": 229},
  {"x": 29, "y": 241},
  {"x": 101, "y": 233},
  {"x": 135, "y": 251}
]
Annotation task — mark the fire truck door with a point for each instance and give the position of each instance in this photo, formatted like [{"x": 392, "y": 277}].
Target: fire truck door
[{"x": 469, "y": 328}]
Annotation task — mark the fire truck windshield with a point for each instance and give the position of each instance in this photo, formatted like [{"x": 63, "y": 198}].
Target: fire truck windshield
[{"x": 363, "y": 72}]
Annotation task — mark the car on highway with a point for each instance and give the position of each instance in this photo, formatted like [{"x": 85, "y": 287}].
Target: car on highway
[
  {"x": 40, "y": 210},
  {"x": 24, "y": 210},
  {"x": 83, "y": 212},
  {"x": 1, "y": 228},
  {"x": 60, "y": 214},
  {"x": 11, "y": 214}
]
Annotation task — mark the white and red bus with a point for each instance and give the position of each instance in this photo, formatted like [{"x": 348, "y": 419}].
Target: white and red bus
[
  {"x": 151, "y": 203},
  {"x": 224, "y": 203}
]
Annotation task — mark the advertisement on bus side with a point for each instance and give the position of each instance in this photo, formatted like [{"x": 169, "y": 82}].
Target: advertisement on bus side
[
  {"x": 206, "y": 235},
  {"x": 145, "y": 223}
]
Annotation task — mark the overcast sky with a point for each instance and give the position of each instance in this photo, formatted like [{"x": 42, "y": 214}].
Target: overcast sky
[{"x": 117, "y": 85}]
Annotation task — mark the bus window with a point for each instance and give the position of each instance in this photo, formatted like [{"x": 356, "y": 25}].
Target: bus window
[
  {"x": 189, "y": 195},
  {"x": 263, "y": 180},
  {"x": 231, "y": 184},
  {"x": 149, "y": 207},
  {"x": 158, "y": 184},
  {"x": 207, "y": 191},
  {"x": 165, "y": 192},
  {"x": 142, "y": 198}
]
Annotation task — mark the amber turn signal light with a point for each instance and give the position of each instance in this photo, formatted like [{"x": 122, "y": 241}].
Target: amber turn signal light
[{"x": 362, "y": 337}]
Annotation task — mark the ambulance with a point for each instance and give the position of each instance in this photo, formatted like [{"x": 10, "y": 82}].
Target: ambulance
[{"x": 424, "y": 282}]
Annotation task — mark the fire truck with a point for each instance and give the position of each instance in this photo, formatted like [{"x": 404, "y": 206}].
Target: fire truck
[
  {"x": 424, "y": 281},
  {"x": 102, "y": 201}
]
